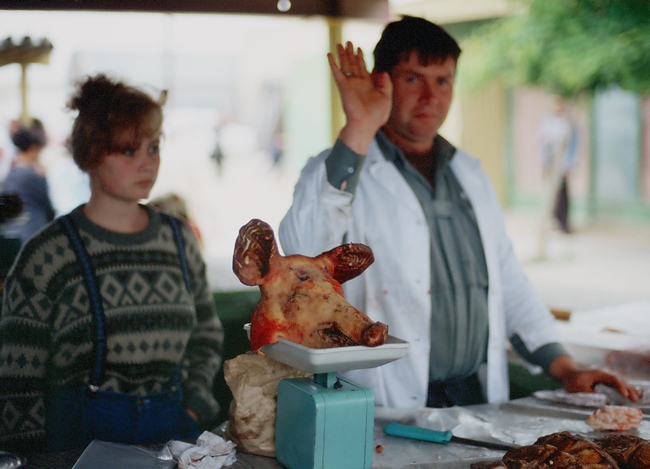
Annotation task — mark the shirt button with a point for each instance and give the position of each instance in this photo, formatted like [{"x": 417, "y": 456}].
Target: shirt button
[{"x": 350, "y": 170}]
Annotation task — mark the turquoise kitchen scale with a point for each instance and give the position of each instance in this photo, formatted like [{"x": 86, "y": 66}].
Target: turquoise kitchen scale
[{"x": 327, "y": 421}]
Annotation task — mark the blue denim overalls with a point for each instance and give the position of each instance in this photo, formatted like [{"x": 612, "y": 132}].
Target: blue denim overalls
[{"x": 76, "y": 416}]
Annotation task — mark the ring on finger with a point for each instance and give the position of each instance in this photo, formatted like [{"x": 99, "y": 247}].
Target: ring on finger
[{"x": 348, "y": 74}]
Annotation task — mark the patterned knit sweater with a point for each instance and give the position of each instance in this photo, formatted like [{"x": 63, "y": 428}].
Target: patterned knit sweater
[{"x": 152, "y": 322}]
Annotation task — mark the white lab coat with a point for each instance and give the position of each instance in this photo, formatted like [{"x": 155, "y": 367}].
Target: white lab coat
[{"x": 385, "y": 214}]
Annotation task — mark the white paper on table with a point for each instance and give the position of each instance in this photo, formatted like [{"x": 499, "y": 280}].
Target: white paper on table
[
  {"x": 209, "y": 452},
  {"x": 604, "y": 395},
  {"x": 463, "y": 423}
]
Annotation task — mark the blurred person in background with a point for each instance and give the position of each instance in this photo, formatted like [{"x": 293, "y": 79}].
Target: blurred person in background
[
  {"x": 108, "y": 328},
  {"x": 176, "y": 205},
  {"x": 27, "y": 179},
  {"x": 6, "y": 154},
  {"x": 557, "y": 137}
]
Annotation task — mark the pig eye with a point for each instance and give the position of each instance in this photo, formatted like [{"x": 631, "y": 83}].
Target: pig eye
[{"x": 302, "y": 276}]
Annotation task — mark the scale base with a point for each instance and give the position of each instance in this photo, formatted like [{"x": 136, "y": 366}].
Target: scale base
[{"x": 324, "y": 423}]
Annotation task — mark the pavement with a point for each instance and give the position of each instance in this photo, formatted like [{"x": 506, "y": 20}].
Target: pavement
[
  {"x": 598, "y": 274},
  {"x": 598, "y": 265}
]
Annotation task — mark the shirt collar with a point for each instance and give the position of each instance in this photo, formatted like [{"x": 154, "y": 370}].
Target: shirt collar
[{"x": 443, "y": 150}]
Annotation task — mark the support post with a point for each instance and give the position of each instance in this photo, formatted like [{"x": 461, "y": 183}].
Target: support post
[
  {"x": 24, "y": 116},
  {"x": 337, "y": 117}
]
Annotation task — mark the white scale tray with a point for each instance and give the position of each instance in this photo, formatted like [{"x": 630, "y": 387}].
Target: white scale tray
[{"x": 327, "y": 360}]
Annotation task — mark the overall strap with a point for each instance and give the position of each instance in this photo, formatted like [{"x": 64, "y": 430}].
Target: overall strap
[
  {"x": 90, "y": 280},
  {"x": 178, "y": 239}
]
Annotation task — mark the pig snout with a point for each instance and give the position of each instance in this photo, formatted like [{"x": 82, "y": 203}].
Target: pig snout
[{"x": 375, "y": 334}]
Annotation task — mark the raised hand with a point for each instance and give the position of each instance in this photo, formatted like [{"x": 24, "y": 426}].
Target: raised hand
[{"x": 366, "y": 97}]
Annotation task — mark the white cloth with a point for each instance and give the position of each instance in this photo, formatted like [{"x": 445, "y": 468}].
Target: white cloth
[
  {"x": 395, "y": 290},
  {"x": 209, "y": 452}
]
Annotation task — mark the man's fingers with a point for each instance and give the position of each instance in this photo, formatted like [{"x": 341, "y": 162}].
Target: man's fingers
[
  {"x": 627, "y": 390},
  {"x": 338, "y": 72},
  {"x": 381, "y": 82},
  {"x": 362, "y": 69},
  {"x": 351, "y": 64},
  {"x": 333, "y": 66},
  {"x": 346, "y": 56},
  {"x": 624, "y": 388}
]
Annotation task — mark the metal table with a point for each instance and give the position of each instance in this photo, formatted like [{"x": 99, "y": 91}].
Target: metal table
[{"x": 520, "y": 421}]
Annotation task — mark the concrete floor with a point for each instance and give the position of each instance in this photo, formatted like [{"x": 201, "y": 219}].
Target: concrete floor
[{"x": 594, "y": 267}]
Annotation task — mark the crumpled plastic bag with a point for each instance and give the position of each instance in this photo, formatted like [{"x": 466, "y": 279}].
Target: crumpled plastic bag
[
  {"x": 253, "y": 380},
  {"x": 462, "y": 421},
  {"x": 209, "y": 452}
]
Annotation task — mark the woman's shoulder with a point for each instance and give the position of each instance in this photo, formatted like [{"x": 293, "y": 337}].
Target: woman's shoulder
[
  {"x": 44, "y": 254},
  {"x": 46, "y": 236},
  {"x": 170, "y": 219},
  {"x": 52, "y": 238}
]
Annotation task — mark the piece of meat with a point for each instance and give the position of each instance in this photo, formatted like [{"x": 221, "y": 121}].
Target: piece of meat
[
  {"x": 615, "y": 417},
  {"x": 302, "y": 298},
  {"x": 488, "y": 465},
  {"x": 628, "y": 451},
  {"x": 581, "y": 448},
  {"x": 541, "y": 457}
]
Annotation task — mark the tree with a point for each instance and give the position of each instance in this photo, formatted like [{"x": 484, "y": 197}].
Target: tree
[{"x": 564, "y": 46}]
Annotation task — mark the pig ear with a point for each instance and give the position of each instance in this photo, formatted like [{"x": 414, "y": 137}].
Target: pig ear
[
  {"x": 347, "y": 261},
  {"x": 254, "y": 248}
]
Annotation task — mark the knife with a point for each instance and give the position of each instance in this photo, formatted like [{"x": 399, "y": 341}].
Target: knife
[{"x": 435, "y": 436}]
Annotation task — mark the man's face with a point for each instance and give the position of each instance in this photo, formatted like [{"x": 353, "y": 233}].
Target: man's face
[{"x": 421, "y": 99}]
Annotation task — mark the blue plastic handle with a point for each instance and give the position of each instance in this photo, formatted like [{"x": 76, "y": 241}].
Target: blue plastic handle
[{"x": 417, "y": 433}]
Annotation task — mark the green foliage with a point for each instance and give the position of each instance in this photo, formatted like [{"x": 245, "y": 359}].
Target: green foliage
[{"x": 565, "y": 46}]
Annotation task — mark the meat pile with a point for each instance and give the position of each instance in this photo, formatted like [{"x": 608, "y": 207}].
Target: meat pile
[
  {"x": 615, "y": 417},
  {"x": 629, "y": 451},
  {"x": 565, "y": 450},
  {"x": 302, "y": 298}
]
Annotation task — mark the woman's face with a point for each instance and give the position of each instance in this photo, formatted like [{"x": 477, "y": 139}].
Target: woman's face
[{"x": 130, "y": 174}]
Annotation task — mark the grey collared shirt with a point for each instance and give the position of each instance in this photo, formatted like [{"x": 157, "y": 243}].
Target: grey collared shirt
[{"x": 459, "y": 280}]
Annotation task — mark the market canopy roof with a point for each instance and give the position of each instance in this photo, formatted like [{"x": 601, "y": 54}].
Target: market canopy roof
[{"x": 332, "y": 8}]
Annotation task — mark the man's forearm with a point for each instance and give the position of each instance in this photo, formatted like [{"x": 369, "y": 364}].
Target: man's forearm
[
  {"x": 358, "y": 137},
  {"x": 562, "y": 368}
]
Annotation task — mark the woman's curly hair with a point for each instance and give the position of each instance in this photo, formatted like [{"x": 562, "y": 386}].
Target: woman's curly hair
[{"x": 113, "y": 117}]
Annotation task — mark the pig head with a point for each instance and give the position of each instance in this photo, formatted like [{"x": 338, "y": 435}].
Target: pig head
[{"x": 302, "y": 299}]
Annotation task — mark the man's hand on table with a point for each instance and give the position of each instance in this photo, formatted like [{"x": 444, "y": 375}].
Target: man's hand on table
[{"x": 574, "y": 379}]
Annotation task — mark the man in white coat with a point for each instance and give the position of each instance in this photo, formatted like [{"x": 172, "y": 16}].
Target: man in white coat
[{"x": 445, "y": 277}]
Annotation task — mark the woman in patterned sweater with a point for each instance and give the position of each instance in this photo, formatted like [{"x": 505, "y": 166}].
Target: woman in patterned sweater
[{"x": 142, "y": 370}]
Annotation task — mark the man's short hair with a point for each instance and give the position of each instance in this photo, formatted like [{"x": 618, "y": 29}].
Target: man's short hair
[{"x": 432, "y": 43}]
